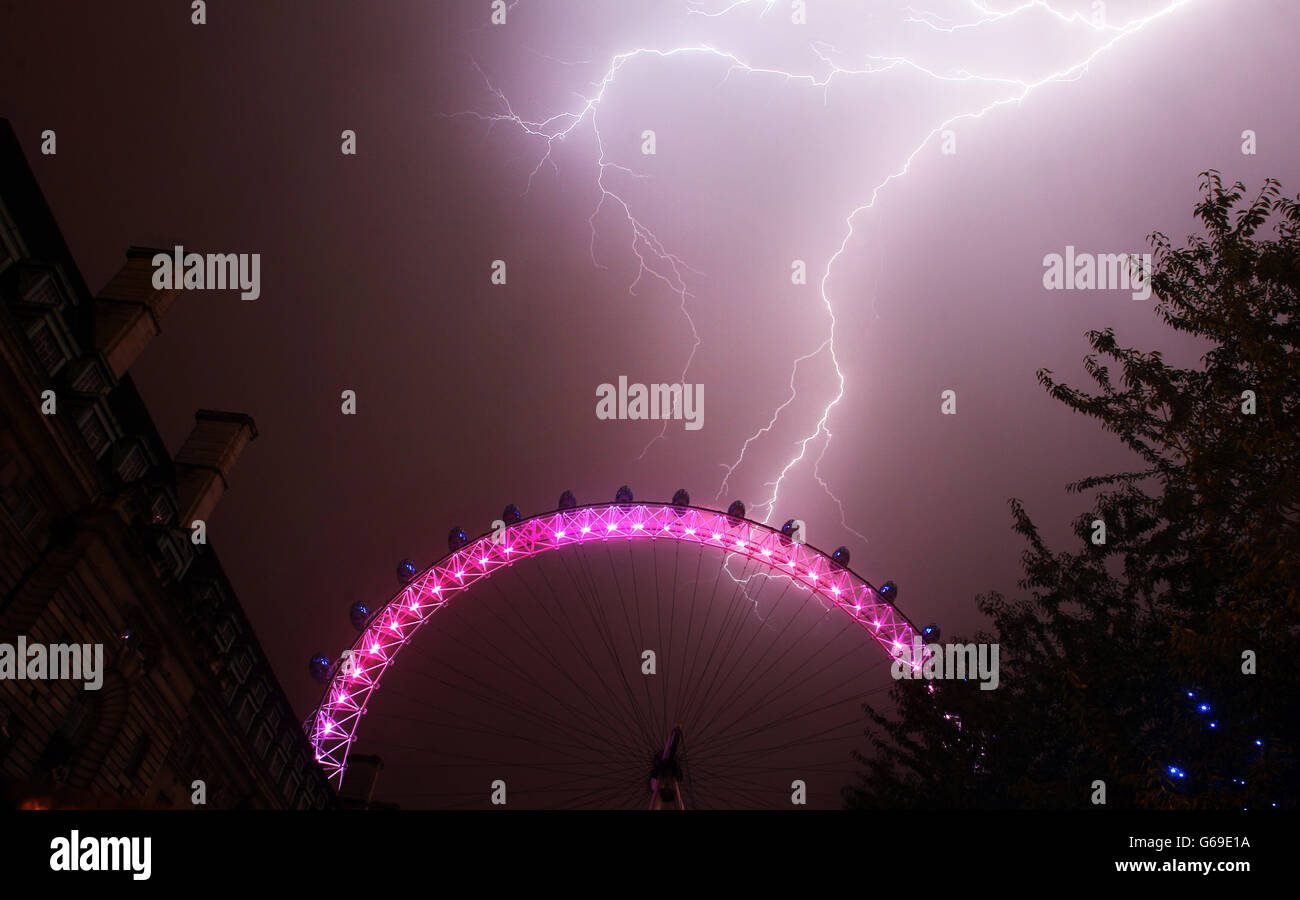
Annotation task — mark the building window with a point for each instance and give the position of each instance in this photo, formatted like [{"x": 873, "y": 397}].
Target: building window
[
  {"x": 241, "y": 665},
  {"x": 258, "y": 692},
  {"x": 273, "y": 717},
  {"x": 89, "y": 379},
  {"x": 11, "y": 245},
  {"x": 171, "y": 555},
  {"x": 212, "y": 605},
  {"x": 93, "y": 430},
  {"x": 133, "y": 464},
  {"x": 278, "y": 762},
  {"x": 46, "y": 346},
  {"x": 262, "y": 742},
  {"x": 225, "y": 635},
  {"x": 20, "y": 507},
  {"x": 247, "y": 710},
  {"x": 285, "y": 745},
  {"x": 40, "y": 289},
  {"x": 160, "y": 511}
]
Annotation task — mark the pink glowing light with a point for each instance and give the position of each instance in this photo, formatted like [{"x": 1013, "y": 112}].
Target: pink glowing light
[{"x": 339, "y": 714}]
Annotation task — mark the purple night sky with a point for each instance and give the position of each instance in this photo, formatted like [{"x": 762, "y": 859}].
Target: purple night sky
[{"x": 376, "y": 267}]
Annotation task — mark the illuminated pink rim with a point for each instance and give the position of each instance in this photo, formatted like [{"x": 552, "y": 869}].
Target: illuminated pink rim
[{"x": 332, "y": 727}]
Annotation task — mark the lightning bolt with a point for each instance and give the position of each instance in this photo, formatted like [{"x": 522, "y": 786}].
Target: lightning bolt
[{"x": 656, "y": 261}]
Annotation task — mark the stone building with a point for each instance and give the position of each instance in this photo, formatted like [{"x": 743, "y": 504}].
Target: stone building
[{"x": 97, "y": 548}]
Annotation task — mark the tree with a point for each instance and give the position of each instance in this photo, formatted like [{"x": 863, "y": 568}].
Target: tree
[{"x": 1127, "y": 662}]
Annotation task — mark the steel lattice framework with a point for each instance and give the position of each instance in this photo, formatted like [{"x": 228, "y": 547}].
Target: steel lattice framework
[{"x": 333, "y": 726}]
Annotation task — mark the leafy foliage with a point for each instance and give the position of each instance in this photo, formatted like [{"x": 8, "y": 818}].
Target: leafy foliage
[{"x": 1199, "y": 566}]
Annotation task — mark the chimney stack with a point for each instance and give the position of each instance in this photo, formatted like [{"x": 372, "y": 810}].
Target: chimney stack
[
  {"x": 203, "y": 464},
  {"x": 129, "y": 309}
]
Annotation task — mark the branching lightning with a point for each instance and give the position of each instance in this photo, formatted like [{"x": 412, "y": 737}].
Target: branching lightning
[{"x": 656, "y": 261}]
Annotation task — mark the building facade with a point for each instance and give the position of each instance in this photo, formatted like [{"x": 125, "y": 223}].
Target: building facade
[{"x": 98, "y": 547}]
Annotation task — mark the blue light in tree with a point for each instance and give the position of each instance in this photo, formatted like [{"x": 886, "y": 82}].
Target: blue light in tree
[{"x": 1176, "y": 772}]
